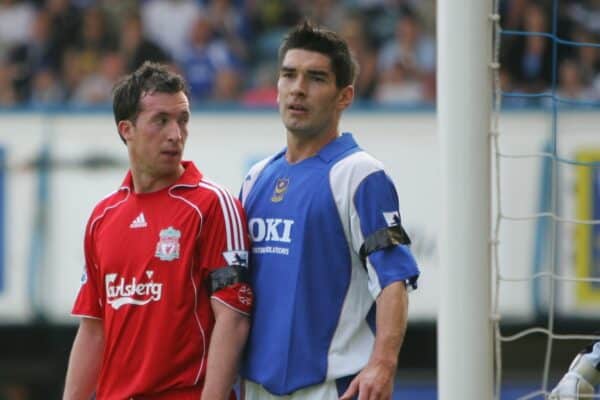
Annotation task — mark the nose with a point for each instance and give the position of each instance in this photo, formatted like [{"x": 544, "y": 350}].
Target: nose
[
  {"x": 299, "y": 85},
  {"x": 174, "y": 132}
]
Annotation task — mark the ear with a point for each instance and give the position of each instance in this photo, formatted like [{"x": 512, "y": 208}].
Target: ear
[
  {"x": 126, "y": 129},
  {"x": 345, "y": 97}
]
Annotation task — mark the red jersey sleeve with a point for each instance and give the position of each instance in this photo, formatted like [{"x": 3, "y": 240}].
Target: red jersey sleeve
[
  {"x": 88, "y": 302},
  {"x": 224, "y": 243}
]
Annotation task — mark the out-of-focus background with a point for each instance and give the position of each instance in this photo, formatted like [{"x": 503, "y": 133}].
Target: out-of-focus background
[{"x": 60, "y": 153}]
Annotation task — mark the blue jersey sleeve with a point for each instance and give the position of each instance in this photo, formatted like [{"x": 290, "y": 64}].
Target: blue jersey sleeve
[{"x": 376, "y": 203}]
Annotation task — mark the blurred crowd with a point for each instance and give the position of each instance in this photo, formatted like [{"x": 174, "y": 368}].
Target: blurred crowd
[
  {"x": 73, "y": 51},
  {"x": 532, "y": 63}
]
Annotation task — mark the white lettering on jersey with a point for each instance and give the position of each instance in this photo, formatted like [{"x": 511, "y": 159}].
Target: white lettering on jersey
[
  {"x": 120, "y": 292},
  {"x": 274, "y": 229}
]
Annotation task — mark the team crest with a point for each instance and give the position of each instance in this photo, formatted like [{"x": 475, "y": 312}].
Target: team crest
[
  {"x": 167, "y": 248},
  {"x": 280, "y": 188}
]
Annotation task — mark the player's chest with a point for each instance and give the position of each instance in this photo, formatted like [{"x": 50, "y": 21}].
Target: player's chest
[
  {"x": 138, "y": 237},
  {"x": 284, "y": 205}
]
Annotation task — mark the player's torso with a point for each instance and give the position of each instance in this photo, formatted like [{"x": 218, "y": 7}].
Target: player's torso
[
  {"x": 144, "y": 249},
  {"x": 156, "y": 309},
  {"x": 300, "y": 270}
]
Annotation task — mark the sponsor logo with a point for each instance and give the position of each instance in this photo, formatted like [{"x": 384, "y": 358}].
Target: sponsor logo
[
  {"x": 236, "y": 257},
  {"x": 167, "y": 248},
  {"x": 281, "y": 187},
  {"x": 120, "y": 291},
  {"x": 392, "y": 218},
  {"x": 274, "y": 229},
  {"x": 245, "y": 295},
  {"x": 139, "y": 222}
]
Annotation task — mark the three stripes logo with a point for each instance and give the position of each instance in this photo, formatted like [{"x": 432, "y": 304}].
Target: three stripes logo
[{"x": 139, "y": 222}]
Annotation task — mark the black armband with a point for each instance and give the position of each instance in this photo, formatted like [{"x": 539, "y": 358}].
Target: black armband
[
  {"x": 382, "y": 239},
  {"x": 226, "y": 276}
]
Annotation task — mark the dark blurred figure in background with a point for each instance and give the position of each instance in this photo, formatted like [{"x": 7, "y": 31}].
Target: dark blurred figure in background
[{"x": 136, "y": 47}]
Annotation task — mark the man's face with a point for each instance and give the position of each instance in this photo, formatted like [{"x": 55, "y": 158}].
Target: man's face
[
  {"x": 157, "y": 139},
  {"x": 310, "y": 103}
]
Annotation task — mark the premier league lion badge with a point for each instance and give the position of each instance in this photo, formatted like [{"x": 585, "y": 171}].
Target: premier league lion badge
[{"x": 167, "y": 248}]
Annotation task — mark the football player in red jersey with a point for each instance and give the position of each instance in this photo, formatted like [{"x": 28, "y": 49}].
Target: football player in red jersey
[{"x": 164, "y": 302}]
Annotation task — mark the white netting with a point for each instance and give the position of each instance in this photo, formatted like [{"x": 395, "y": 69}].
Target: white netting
[{"x": 552, "y": 275}]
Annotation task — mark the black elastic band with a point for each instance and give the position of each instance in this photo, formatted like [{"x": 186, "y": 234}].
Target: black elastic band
[
  {"x": 382, "y": 239},
  {"x": 226, "y": 276}
]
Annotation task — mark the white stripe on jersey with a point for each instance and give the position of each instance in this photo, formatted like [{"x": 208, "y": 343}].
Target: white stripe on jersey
[
  {"x": 251, "y": 177},
  {"x": 110, "y": 207},
  {"x": 238, "y": 233},
  {"x": 196, "y": 316},
  {"x": 189, "y": 203},
  {"x": 233, "y": 222},
  {"x": 344, "y": 178}
]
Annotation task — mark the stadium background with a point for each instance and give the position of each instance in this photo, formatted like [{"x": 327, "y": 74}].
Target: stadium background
[{"x": 60, "y": 58}]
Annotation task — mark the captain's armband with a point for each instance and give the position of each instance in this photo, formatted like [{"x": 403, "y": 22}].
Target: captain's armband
[
  {"x": 226, "y": 276},
  {"x": 382, "y": 239}
]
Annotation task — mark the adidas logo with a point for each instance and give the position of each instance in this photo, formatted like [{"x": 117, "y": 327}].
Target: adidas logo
[{"x": 139, "y": 222}]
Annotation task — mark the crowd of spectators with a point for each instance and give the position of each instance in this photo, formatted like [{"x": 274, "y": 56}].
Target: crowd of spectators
[{"x": 73, "y": 51}]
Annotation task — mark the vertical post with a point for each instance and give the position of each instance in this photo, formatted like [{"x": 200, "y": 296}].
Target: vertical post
[
  {"x": 465, "y": 342},
  {"x": 3, "y": 175}
]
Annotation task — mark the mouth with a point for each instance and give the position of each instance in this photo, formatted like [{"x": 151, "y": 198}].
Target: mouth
[
  {"x": 297, "y": 108},
  {"x": 171, "y": 153}
]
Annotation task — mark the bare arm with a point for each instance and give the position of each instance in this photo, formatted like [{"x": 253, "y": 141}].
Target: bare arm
[
  {"x": 226, "y": 344},
  {"x": 376, "y": 380},
  {"x": 85, "y": 360}
]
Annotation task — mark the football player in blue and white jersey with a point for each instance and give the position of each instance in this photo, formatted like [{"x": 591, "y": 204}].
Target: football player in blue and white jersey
[
  {"x": 331, "y": 264},
  {"x": 582, "y": 378}
]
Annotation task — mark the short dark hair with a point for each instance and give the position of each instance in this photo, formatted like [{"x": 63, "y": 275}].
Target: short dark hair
[
  {"x": 309, "y": 37},
  {"x": 149, "y": 78}
]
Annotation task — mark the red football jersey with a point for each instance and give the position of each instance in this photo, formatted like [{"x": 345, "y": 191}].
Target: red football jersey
[{"x": 148, "y": 259}]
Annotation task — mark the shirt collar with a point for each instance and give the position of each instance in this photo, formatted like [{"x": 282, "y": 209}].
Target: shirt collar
[
  {"x": 340, "y": 145},
  {"x": 191, "y": 177}
]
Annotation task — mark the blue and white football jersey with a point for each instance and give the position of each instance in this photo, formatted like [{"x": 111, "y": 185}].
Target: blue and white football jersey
[{"x": 313, "y": 295}]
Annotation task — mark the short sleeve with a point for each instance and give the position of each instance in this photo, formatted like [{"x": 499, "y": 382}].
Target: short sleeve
[
  {"x": 88, "y": 302},
  {"x": 377, "y": 208},
  {"x": 224, "y": 243}
]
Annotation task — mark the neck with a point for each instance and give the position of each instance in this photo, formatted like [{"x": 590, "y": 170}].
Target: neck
[
  {"x": 300, "y": 148},
  {"x": 144, "y": 182}
]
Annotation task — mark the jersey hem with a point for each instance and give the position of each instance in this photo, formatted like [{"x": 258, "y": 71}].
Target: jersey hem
[
  {"x": 86, "y": 316},
  {"x": 230, "y": 306}
]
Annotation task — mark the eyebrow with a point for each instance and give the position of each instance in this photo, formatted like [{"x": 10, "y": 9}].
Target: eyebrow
[
  {"x": 311, "y": 72},
  {"x": 164, "y": 113}
]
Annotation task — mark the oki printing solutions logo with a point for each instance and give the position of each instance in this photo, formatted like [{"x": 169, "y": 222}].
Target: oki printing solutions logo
[
  {"x": 120, "y": 291},
  {"x": 278, "y": 231}
]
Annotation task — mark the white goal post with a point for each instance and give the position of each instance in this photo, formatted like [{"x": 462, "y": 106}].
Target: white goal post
[{"x": 464, "y": 76}]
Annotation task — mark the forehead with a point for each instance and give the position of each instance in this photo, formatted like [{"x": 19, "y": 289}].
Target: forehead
[
  {"x": 171, "y": 103},
  {"x": 302, "y": 59}
]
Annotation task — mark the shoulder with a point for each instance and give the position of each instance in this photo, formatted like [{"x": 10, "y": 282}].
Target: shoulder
[
  {"x": 215, "y": 191},
  {"x": 355, "y": 167},
  {"x": 204, "y": 193},
  {"x": 109, "y": 202},
  {"x": 258, "y": 167},
  {"x": 254, "y": 173}
]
